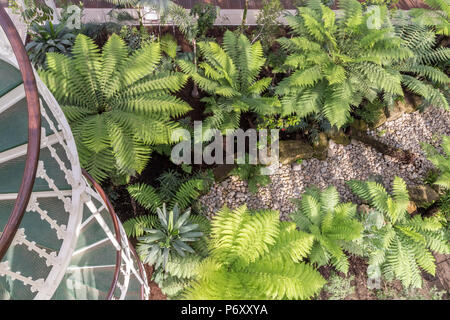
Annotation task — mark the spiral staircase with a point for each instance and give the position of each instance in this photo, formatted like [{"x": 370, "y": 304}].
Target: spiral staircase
[{"x": 59, "y": 235}]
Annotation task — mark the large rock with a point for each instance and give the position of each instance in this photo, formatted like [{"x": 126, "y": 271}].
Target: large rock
[
  {"x": 221, "y": 171},
  {"x": 381, "y": 120},
  {"x": 401, "y": 107},
  {"x": 423, "y": 194},
  {"x": 443, "y": 270},
  {"x": 321, "y": 147},
  {"x": 359, "y": 125},
  {"x": 292, "y": 150},
  {"x": 411, "y": 208},
  {"x": 338, "y": 136}
]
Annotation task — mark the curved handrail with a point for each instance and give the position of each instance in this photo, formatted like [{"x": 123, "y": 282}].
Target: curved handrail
[
  {"x": 141, "y": 268},
  {"x": 115, "y": 220},
  {"x": 34, "y": 133}
]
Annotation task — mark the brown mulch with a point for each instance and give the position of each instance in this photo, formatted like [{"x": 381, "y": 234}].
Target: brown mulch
[{"x": 155, "y": 291}]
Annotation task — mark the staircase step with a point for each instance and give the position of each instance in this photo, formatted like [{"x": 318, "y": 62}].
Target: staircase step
[
  {"x": 102, "y": 253},
  {"x": 37, "y": 229},
  {"x": 85, "y": 284},
  {"x": 10, "y": 77},
  {"x": 11, "y": 172},
  {"x": 14, "y": 125}
]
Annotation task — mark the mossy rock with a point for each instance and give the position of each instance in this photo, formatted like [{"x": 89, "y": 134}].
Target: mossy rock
[
  {"x": 423, "y": 195},
  {"x": 222, "y": 170},
  {"x": 359, "y": 125},
  {"x": 401, "y": 107},
  {"x": 339, "y": 137},
  {"x": 292, "y": 150},
  {"x": 321, "y": 147},
  {"x": 381, "y": 120}
]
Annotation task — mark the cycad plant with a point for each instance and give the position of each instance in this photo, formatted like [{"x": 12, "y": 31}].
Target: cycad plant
[
  {"x": 330, "y": 223},
  {"x": 438, "y": 17},
  {"x": 48, "y": 38},
  {"x": 178, "y": 273},
  {"x": 174, "y": 272},
  {"x": 440, "y": 161},
  {"x": 335, "y": 64},
  {"x": 255, "y": 256},
  {"x": 398, "y": 244},
  {"x": 230, "y": 75},
  {"x": 172, "y": 236},
  {"x": 118, "y": 105}
]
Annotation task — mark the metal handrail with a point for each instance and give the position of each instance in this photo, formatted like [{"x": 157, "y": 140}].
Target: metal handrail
[
  {"x": 115, "y": 220},
  {"x": 141, "y": 268},
  {"x": 34, "y": 133}
]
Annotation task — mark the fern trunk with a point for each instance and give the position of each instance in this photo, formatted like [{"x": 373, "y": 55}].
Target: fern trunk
[
  {"x": 403, "y": 156},
  {"x": 244, "y": 17},
  {"x": 194, "y": 92}
]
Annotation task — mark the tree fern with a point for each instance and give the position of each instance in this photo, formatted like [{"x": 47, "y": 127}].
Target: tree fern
[
  {"x": 438, "y": 17},
  {"x": 330, "y": 223},
  {"x": 116, "y": 104},
  {"x": 400, "y": 245},
  {"x": 178, "y": 274},
  {"x": 440, "y": 161},
  {"x": 420, "y": 72},
  {"x": 230, "y": 75},
  {"x": 336, "y": 63},
  {"x": 255, "y": 256}
]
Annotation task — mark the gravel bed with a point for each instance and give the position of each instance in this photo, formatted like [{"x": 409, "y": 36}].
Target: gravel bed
[{"x": 354, "y": 161}]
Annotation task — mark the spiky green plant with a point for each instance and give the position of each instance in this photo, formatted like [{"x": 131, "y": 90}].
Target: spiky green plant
[
  {"x": 117, "y": 104},
  {"x": 179, "y": 271},
  {"x": 440, "y": 161},
  {"x": 173, "y": 190},
  {"x": 338, "y": 63},
  {"x": 48, "y": 38},
  {"x": 255, "y": 256},
  {"x": 230, "y": 76},
  {"x": 398, "y": 244},
  {"x": 438, "y": 17},
  {"x": 330, "y": 223},
  {"x": 172, "y": 236}
]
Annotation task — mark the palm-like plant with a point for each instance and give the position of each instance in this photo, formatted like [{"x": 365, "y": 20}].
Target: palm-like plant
[
  {"x": 330, "y": 223},
  {"x": 230, "y": 75},
  {"x": 439, "y": 17},
  {"x": 48, "y": 38},
  {"x": 440, "y": 161},
  {"x": 255, "y": 256},
  {"x": 337, "y": 63},
  {"x": 118, "y": 105},
  {"x": 173, "y": 234},
  {"x": 398, "y": 244}
]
